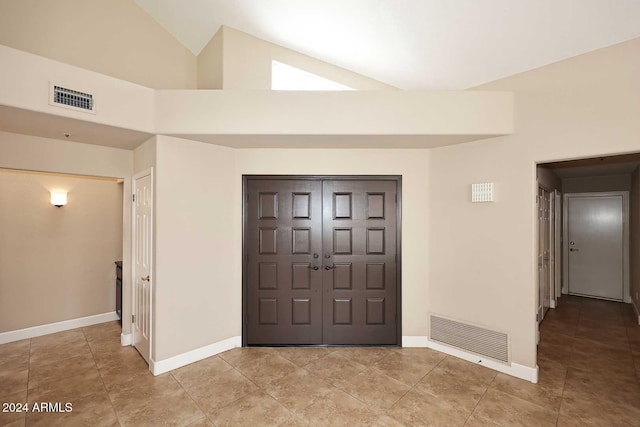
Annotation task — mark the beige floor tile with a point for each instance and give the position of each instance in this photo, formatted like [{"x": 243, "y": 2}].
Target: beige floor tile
[
  {"x": 534, "y": 393},
  {"x": 42, "y": 372},
  {"x": 335, "y": 368},
  {"x": 559, "y": 353},
  {"x": 61, "y": 353},
  {"x": 507, "y": 410},
  {"x": 215, "y": 392},
  {"x": 475, "y": 421},
  {"x": 132, "y": 395},
  {"x": 203, "y": 422},
  {"x": 298, "y": 390},
  {"x": 239, "y": 356},
  {"x": 470, "y": 370},
  {"x": 374, "y": 388},
  {"x": 176, "y": 409},
  {"x": 13, "y": 416},
  {"x": 363, "y": 355},
  {"x": 17, "y": 423},
  {"x": 408, "y": 367},
  {"x": 93, "y": 410},
  {"x": 459, "y": 390},
  {"x": 267, "y": 369},
  {"x": 302, "y": 356},
  {"x": 58, "y": 340},
  {"x": 109, "y": 331},
  {"x": 589, "y": 385},
  {"x": 14, "y": 355},
  {"x": 68, "y": 387},
  {"x": 255, "y": 409},
  {"x": 418, "y": 409},
  {"x": 598, "y": 412},
  {"x": 12, "y": 382},
  {"x": 551, "y": 375},
  {"x": 338, "y": 408},
  {"x": 191, "y": 374}
]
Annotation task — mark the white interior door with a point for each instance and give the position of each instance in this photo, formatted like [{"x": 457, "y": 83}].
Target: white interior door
[
  {"x": 142, "y": 266},
  {"x": 544, "y": 297},
  {"x": 596, "y": 245}
]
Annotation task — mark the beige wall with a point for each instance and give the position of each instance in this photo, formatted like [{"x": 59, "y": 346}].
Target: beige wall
[
  {"x": 597, "y": 183},
  {"x": 144, "y": 156},
  {"x": 582, "y": 107},
  {"x": 50, "y": 155},
  {"x": 198, "y": 291},
  {"x": 210, "y": 63},
  {"x": 634, "y": 241},
  {"x": 199, "y": 232},
  {"x": 247, "y": 64},
  {"x": 114, "y": 37},
  {"x": 57, "y": 263}
]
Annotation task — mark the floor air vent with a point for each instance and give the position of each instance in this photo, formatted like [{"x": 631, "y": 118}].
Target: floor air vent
[
  {"x": 474, "y": 339},
  {"x": 70, "y": 98}
]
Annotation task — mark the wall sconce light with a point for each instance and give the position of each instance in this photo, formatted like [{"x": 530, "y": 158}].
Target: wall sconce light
[{"x": 58, "y": 198}]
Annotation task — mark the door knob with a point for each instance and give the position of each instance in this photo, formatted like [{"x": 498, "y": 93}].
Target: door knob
[
  {"x": 573, "y": 250},
  {"x": 146, "y": 279},
  {"x": 314, "y": 267},
  {"x": 329, "y": 267}
]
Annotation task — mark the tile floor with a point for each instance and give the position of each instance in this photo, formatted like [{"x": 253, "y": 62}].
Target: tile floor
[{"x": 589, "y": 359}]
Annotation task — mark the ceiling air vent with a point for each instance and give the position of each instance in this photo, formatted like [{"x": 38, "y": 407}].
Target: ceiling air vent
[
  {"x": 69, "y": 98},
  {"x": 474, "y": 339}
]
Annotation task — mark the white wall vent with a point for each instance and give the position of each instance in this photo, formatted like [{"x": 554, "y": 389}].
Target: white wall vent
[
  {"x": 69, "y": 98},
  {"x": 474, "y": 339},
  {"x": 482, "y": 192}
]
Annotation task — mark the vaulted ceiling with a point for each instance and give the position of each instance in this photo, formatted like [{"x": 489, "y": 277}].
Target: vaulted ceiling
[{"x": 414, "y": 44}]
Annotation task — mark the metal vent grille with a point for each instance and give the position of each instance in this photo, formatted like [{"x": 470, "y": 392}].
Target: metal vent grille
[
  {"x": 72, "y": 98},
  {"x": 474, "y": 339}
]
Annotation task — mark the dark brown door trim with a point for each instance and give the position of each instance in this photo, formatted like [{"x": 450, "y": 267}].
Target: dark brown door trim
[{"x": 396, "y": 178}]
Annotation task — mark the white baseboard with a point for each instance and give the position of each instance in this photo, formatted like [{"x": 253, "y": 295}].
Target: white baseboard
[
  {"x": 126, "y": 339},
  {"x": 51, "y": 328},
  {"x": 513, "y": 369},
  {"x": 635, "y": 307},
  {"x": 414, "y": 341},
  {"x": 552, "y": 304},
  {"x": 175, "y": 362}
]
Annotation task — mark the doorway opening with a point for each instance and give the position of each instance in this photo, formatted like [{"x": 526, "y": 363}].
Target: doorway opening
[
  {"x": 322, "y": 260},
  {"x": 62, "y": 235},
  {"x": 596, "y": 229}
]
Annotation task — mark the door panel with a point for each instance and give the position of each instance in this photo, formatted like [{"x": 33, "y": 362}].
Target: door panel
[
  {"x": 142, "y": 267},
  {"x": 346, "y": 228},
  {"x": 596, "y": 246},
  {"x": 283, "y": 232},
  {"x": 360, "y": 247}
]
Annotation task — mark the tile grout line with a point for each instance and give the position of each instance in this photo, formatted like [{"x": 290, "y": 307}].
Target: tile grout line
[
  {"x": 191, "y": 397},
  {"x": 28, "y": 378},
  {"x": 95, "y": 362}
]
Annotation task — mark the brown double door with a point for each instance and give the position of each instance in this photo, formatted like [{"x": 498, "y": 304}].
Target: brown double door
[{"x": 321, "y": 261}]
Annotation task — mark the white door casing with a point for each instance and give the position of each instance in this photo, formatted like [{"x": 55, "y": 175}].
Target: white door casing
[
  {"x": 558, "y": 246},
  {"x": 142, "y": 262},
  {"x": 596, "y": 245}
]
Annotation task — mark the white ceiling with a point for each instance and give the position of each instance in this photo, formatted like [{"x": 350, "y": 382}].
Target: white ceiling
[{"x": 414, "y": 44}]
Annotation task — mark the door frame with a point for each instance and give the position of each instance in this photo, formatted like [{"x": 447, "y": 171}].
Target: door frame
[
  {"x": 245, "y": 207},
  {"x": 626, "y": 296},
  {"x": 134, "y": 178}
]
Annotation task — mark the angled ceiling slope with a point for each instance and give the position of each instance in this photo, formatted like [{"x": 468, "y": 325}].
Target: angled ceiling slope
[{"x": 414, "y": 44}]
